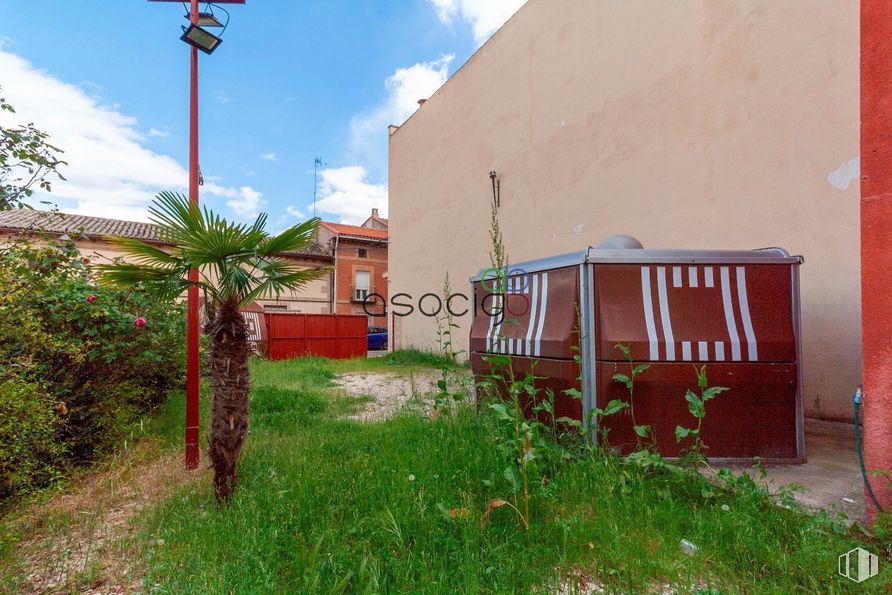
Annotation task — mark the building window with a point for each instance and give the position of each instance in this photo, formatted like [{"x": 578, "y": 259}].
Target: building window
[
  {"x": 363, "y": 253},
  {"x": 361, "y": 285}
]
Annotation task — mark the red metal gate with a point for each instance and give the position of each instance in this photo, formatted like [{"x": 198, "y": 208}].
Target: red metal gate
[{"x": 336, "y": 336}]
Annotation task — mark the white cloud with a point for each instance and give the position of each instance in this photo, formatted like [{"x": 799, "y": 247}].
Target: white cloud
[
  {"x": 484, "y": 16},
  {"x": 269, "y": 157},
  {"x": 295, "y": 212},
  {"x": 110, "y": 173},
  {"x": 347, "y": 193},
  {"x": 368, "y": 142},
  {"x": 246, "y": 203},
  {"x": 154, "y": 132}
]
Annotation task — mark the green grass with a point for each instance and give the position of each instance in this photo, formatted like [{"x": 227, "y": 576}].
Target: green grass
[{"x": 326, "y": 504}]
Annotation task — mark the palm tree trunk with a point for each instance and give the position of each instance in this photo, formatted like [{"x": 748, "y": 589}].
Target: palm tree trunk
[{"x": 228, "y": 368}]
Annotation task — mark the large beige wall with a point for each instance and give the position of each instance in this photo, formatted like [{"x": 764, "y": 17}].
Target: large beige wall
[{"x": 686, "y": 123}]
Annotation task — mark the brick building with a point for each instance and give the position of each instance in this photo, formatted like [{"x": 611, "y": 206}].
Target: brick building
[{"x": 360, "y": 253}]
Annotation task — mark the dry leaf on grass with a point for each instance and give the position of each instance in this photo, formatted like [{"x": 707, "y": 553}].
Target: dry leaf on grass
[{"x": 497, "y": 503}]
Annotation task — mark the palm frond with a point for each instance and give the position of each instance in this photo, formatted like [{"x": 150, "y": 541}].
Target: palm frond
[
  {"x": 144, "y": 253},
  {"x": 203, "y": 237},
  {"x": 274, "y": 286},
  {"x": 165, "y": 282},
  {"x": 236, "y": 261}
]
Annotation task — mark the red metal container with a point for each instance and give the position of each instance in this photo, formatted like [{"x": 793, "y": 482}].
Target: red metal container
[
  {"x": 737, "y": 312},
  {"x": 336, "y": 336},
  {"x": 253, "y": 314}
]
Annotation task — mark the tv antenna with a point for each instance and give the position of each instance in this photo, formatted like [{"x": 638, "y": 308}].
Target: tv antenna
[{"x": 316, "y": 165}]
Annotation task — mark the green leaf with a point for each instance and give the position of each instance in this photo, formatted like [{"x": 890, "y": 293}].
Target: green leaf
[
  {"x": 681, "y": 433},
  {"x": 510, "y": 473},
  {"x": 702, "y": 382},
  {"x": 695, "y": 405},
  {"x": 499, "y": 360},
  {"x": 711, "y": 392},
  {"x": 639, "y": 369},
  {"x": 501, "y": 411},
  {"x": 614, "y": 406},
  {"x": 573, "y": 392},
  {"x": 624, "y": 379},
  {"x": 642, "y": 431}
]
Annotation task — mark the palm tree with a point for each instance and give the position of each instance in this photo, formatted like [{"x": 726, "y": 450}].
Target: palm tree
[{"x": 237, "y": 264}]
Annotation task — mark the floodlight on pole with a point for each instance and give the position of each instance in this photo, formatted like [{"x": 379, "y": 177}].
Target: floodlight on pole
[
  {"x": 200, "y": 38},
  {"x": 208, "y": 19}
]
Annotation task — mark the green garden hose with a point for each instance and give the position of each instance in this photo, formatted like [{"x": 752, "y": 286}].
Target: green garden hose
[{"x": 856, "y": 399}]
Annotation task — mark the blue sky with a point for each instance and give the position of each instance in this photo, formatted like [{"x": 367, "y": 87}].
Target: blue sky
[{"x": 292, "y": 80}]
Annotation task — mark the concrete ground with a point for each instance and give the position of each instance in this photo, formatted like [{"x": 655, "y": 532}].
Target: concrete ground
[{"x": 831, "y": 475}]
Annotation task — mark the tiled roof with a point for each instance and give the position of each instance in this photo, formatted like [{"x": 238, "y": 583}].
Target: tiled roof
[
  {"x": 63, "y": 223},
  {"x": 75, "y": 225},
  {"x": 356, "y": 231}
]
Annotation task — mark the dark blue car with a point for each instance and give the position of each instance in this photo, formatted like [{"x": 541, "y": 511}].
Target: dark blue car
[{"x": 377, "y": 338}]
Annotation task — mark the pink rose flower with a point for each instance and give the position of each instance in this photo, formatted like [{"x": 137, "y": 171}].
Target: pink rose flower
[
  {"x": 139, "y": 322},
  {"x": 91, "y": 298}
]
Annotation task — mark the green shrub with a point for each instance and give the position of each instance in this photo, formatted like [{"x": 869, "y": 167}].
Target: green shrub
[
  {"x": 29, "y": 453},
  {"x": 100, "y": 356}
]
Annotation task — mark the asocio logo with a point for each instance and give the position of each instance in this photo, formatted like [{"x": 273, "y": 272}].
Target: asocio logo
[
  {"x": 858, "y": 565},
  {"x": 495, "y": 282}
]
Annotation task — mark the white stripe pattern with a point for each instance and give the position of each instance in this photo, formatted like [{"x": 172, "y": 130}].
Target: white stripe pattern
[
  {"x": 730, "y": 311},
  {"x": 533, "y": 312},
  {"x": 543, "y": 309},
  {"x": 730, "y": 321},
  {"x": 664, "y": 314},
  {"x": 508, "y": 340},
  {"x": 649, "y": 314},
  {"x": 497, "y": 340},
  {"x": 492, "y": 319},
  {"x": 703, "y": 350},
  {"x": 743, "y": 303}
]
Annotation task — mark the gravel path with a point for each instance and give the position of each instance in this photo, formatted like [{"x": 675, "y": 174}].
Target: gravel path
[{"x": 389, "y": 392}]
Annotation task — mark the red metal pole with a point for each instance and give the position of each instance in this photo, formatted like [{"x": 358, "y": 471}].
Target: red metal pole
[
  {"x": 876, "y": 229},
  {"x": 193, "y": 453}
]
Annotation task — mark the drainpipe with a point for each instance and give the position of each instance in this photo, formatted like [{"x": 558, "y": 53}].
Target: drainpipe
[{"x": 334, "y": 285}]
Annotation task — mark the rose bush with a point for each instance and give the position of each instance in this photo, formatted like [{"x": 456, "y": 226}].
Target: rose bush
[{"x": 79, "y": 360}]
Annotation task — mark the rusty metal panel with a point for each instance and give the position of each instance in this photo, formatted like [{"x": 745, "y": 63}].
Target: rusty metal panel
[
  {"x": 757, "y": 417},
  {"x": 533, "y": 315},
  {"x": 707, "y": 313}
]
